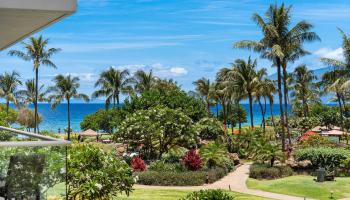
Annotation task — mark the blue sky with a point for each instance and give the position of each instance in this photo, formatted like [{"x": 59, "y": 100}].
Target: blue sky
[{"x": 183, "y": 39}]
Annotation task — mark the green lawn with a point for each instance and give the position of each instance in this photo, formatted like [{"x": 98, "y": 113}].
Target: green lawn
[
  {"x": 148, "y": 194},
  {"x": 304, "y": 186}
]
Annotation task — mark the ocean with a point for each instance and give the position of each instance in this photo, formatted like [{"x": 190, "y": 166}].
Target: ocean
[{"x": 57, "y": 119}]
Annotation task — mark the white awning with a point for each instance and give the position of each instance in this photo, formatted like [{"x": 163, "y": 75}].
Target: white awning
[{"x": 20, "y": 18}]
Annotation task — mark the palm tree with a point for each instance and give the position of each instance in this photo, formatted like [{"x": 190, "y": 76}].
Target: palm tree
[
  {"x": 143, "y": 81},
  {"x": 304, "y": 88},
  {"x": 66, "y": 88},
  {"x": 337, "y": 80},
  {"x": 246, "y": 72},
  {"x": 8, "y": 87},
  {"x": 37, "y": 52},
  {"x": 281, "y": 45},
  {"x": 269, "y": 92},
  {"x": 204, "y": 88},
  {"x": 28, "y": 94},
  {"x": 112, "y": 83},
  {"x": 261, "y": 92},
  {"x": 222, "y": 96}
]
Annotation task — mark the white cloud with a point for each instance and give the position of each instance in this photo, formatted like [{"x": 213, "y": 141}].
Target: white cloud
[
  {"x": 330, "y": 53},
  {"x": 178, "y": 70},
  {"x": 158, "y": 69}
]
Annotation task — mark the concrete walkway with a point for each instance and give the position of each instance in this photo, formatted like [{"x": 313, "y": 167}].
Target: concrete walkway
[{"x": 234, "y": 181}]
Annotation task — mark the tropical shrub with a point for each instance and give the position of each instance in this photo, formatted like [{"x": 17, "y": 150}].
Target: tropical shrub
[
  {"x": 264, "y": 151},
  {"x": 209, "y": 128},
  {"x": 264, "y": 171},
  {"x": 138, "y": 165},
  {"x": 245, "y": 142},
  {"x": 346, "y": 163},
  {"x": 237, "y": 115},
  {"x": 7, "y": 119},
  {"x": 26, "y": 118},
  {"x": 192, "y": 160},
  {"x": 329, "y": 118},
  {"x": 156, "y": 129},
  {"x": 304, "y": 124},
  {"x": 328, "y": 158},
  {"x": 161, "y": 166},
  {"x": 173, "y": 98},
  {"x": 208, "y": 195},
  {"x": 95, "y": 174},
  {"x": 103, "y": 120},
  {"x": 214, "y": 154},
  {"x": 316, "y": 141},
  {"x": 174, "y": 155},
  {"x": 186, "y": 178}
]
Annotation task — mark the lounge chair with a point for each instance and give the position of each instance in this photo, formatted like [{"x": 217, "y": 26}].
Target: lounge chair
[{"x": 23, "y": 177}]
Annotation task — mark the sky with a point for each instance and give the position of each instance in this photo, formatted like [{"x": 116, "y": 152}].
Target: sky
[{"x": 179, "y": 39}]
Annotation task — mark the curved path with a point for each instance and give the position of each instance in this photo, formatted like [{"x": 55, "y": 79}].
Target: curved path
[{"x": 234, "y": 181}]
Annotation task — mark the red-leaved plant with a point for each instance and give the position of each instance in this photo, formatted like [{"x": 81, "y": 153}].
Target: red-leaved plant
[
  {"x": 192, "y": 160},
  {"x": 138, "y": 165}
]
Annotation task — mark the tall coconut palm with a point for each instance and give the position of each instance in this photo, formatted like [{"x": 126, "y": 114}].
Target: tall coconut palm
[
  {"x": 269, "y": 93},
  {"x": 8, "y": 87},
  {"x": 204, "y": 88},
  {"x": 336, "y": 81},
  {"x": 36, "y": 51},
  {"x": 246, "y": 72},
  {"x": 232, "y": 86},
  {"x": 261, "y": 93},
  {"x": 65, "y": 89},
  {"x": 304, "y": 87},
  {"x": 280, "y": 44},
  {"x": 111, "y": 84},
  {"x": 143, "y": 81},
  {"x": 27, "y": 95}
]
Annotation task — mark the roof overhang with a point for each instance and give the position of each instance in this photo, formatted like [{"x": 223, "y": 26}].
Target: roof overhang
[{"x": 21, "y": 18}]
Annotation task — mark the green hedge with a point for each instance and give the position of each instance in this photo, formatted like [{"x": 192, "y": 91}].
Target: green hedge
[
  {"x": 208, "y": 194},
  {"x": 173, "y": 178},
  {"x": 328, "y": 158},
  {"x": 264, "y": 171}
]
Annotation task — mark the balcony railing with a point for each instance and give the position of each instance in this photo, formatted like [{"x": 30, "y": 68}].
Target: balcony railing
[{"x": 32, "y": 166}]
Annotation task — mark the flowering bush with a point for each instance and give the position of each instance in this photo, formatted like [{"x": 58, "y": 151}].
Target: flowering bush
[
  {"x": 138, "y": 164},
  {"x": 192, "y": 160},
  {"x": 95, "y": 174}
]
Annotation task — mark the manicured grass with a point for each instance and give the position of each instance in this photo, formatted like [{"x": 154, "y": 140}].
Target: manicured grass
[
  {"x": 304, "y": 186},
  {"x": 149, "y": 194}
]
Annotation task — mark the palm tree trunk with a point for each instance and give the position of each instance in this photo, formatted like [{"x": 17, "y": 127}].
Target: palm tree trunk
[
  {"x": 7, "y": 107},
  {"x": 271, "y": 113},
  {"x": 262, "y": 114},
  {"x": 345, "y": 109},
  {"x": 340, "y": 111},
  {"x": 265, "y": 111},
  {"x": 113, "y": 101},
  {"x": 278, "y": 63},
  {"x": 239, "y": 117},
  {"x": 285, "y": 85},
  {"x": 251, "y": 110},
  {"x": 224, "y": 115},
  {"x": 304, "y": 105},
  {"x": 36, "y": 99},
  {"x": 118, "y": 105},
  {"x": 68, "y": 107}
]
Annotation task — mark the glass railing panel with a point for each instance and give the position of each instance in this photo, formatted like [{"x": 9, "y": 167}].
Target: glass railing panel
[{"x": 32, "y": 168}]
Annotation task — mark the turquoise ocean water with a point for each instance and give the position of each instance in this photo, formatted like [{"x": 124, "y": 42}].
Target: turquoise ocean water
[{"x": 57, "y": 119}]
